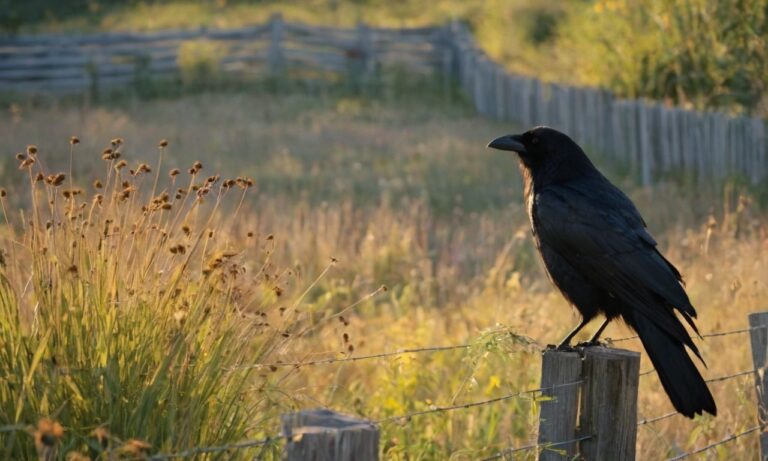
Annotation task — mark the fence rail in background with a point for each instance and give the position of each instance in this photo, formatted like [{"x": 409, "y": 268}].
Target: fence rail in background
[{"x": 651, "y": 138}]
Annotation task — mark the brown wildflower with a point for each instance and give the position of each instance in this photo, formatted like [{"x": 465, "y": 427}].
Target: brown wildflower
[{"x": 48, "y": 433}]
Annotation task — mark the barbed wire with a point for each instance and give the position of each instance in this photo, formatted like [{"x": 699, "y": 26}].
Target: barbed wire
[
  {"x": 417, "y": 350},
  {"x": 717, "y": 379},
  {"x": 711, "y": 380},
  {"x": 645, "y": 421},
  {"x": 355, "y": 358},
  {"x": 215, "y": 449},
  {"x": 735, "y": 375},
  {"x": 462, "y": 406},
  {"x": 509, "y": 451},
  {"x": 715, "y": 444},
  {"x": 706, "y": 335}
]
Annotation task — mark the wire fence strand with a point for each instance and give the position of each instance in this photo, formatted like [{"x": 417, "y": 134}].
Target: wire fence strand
[
  {"x": 215, "y": 449},
  {"x": 462, "y": 406},
  {"x": 645, "y": 421},
  {"x": 417, "y": 350},
  {"x": 509, "y": 451},
  {"x": 715, "y": 444},
  {"x": 706, "y": 335}
]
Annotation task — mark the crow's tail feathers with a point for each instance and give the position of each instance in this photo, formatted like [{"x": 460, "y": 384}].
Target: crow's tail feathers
[{"x": 678, "y": 374}]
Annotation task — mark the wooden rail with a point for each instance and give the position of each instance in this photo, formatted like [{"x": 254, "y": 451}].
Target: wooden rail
[{"x": 652, "y": 139}]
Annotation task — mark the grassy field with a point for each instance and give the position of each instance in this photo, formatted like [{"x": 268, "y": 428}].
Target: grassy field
[{"x": 161, "y": 310}]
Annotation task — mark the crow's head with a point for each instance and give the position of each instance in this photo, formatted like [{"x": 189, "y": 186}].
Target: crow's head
[{"x": 547, "y": 151}]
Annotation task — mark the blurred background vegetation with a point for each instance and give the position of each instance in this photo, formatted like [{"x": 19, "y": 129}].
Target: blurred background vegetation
[
  {"x": 696, "y": 53},
  {"x": 396, "y": 186}
]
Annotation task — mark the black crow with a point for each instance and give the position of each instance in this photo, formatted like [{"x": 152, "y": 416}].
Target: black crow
[{"x": 599, "y": 254}]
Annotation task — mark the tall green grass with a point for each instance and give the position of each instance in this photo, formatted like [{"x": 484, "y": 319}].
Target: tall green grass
[{"x": 124, "y": 312}]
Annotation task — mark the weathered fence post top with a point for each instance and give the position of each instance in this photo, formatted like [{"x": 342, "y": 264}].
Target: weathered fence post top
[
  {"x": 599, "y": 385},
  {"x": 324, "y": 435}
]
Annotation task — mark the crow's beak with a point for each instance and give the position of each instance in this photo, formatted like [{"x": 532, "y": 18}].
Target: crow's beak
[{"x": 513, "y": 142}]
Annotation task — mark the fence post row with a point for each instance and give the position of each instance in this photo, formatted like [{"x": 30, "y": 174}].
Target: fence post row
[{"x": 651, "y": 138}]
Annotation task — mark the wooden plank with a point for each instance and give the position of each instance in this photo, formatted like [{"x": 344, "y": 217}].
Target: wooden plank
[
  {"x": 608, "y": 411},
  {"x": 560, "y": 404}
]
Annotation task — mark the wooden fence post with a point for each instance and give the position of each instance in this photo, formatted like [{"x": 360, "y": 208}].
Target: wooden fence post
[
  {"x": 365, "y": 42},
  {"x": 323, "y": 435},
  {"x": 759, "y": 339},
  {"x": 557, "y": 418},
  {"x": 608, "y": 414},
  {"x": 275, "y": 53}
]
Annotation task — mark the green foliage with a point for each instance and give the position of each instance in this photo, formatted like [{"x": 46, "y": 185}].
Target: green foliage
[
  {"x": 120, "y": 319},
  {"x": 691, "y": 52}
]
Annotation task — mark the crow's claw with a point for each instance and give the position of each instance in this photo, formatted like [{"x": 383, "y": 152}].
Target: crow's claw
[{"x": 596, "y": 343}]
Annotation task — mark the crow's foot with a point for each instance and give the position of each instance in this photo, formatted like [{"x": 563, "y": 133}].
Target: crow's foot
[
  {"x": 561, "y": 348},
  {"x": 594, "y": 343}
]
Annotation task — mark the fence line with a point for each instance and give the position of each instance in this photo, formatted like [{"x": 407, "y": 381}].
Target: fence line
[
  {"x": 426, "y": 349},
  {"x": 510, "y": 451},
  {"x": 706, "y": 335},
  {"x": 716, "y": 444},
  {"x": 407, "y": 417},
  {"x": 649, "y": 137},
  {"x": 652, "y": 139},
  {"x": 355, "y": 358},
  {"x": 214, "y": 449},
  {"x": 645, "y": 421}
]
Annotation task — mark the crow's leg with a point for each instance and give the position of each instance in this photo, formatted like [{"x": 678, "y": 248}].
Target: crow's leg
[
  {"x": 565, "y": 343},
  {"x": 599, "y": 331}
]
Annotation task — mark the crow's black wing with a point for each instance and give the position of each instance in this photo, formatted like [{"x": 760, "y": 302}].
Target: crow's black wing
[{"x": 597, "y": 229}]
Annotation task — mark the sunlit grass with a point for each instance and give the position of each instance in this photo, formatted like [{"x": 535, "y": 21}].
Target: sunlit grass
[{"x": 401, "y": 194}]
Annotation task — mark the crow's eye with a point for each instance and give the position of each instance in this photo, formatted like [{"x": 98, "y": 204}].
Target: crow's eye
[{"x": 534, "y": 140}]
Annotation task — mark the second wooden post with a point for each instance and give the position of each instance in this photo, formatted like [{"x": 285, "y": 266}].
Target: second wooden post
[{"x": 608, "y": 414}]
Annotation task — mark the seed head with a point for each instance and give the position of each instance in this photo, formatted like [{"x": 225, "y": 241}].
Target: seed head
[
  {"x": 174, "y": 172},
  {"x": 74, "y": 140},
  {"x": 39, "y": 177},
  {"x": 97, "y": 184},
  {"x": 163, "y": 143},
  {"x": 135, "y": 447},
  {"x": 55, "y": 179},
  {"x": 20, "y": 156},
  {"x": 31, "y": 150},
  {"x": 48, "y": 433},
  {"x": 121, "y": 164},
  {"x": 3, "y": 192},
  {"x": 117, "y": 142}
]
